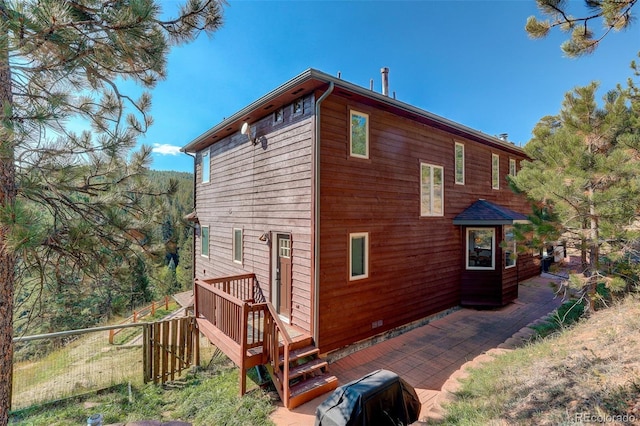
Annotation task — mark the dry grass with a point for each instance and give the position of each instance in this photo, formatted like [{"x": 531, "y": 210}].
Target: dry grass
[{"x": 583, "y": 375}]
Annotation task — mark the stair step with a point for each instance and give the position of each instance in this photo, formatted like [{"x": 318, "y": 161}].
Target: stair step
[
  {"x": 300, "y": 353},
  {"x": 310, "y": 389},
  {"x": 307, "y": 368}
]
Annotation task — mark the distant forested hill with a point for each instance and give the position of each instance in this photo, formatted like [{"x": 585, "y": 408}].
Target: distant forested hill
[{"x": 162, "y": 266}]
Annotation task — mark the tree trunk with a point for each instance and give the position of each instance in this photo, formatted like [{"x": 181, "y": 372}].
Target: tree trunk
[
  {"x": 594, "y": 251},
  {"x": 7, "y": 257}
]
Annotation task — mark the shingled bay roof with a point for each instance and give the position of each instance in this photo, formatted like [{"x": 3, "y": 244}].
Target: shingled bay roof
[{"x": 483, "y": 212}]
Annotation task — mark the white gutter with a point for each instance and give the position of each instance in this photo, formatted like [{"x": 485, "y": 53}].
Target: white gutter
[{"x": 316, "y": 221}]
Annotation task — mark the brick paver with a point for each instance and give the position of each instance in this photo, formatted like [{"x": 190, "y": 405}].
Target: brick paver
[{"x": 426, "y": 356}]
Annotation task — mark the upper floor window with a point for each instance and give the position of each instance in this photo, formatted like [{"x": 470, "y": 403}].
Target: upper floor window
[
  {"x": 358, "y": 255},
  {"x": 431, "y": 190},
  {"x": 206, "y": 166},
  {"x": 512, "y": 167},
  {"x": 237, "y": 245},
  {"x": 298, "y": 106},
  {"x": 495, "y": 171},
  {"x": 359, "y": 134},
  {"x": 278, "y": 115},
  {"x": 204, "y": 241},
  {"x": 459, "y": 159}
]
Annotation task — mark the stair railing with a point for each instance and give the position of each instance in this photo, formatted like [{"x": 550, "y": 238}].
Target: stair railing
[{"x": 275, "y": 334}]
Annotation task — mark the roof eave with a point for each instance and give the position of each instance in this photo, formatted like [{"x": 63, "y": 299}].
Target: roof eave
[{"x": 323, "y": 78}]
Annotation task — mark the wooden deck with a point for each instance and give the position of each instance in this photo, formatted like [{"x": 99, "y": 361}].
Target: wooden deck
[{"x": 251, "y": 333}]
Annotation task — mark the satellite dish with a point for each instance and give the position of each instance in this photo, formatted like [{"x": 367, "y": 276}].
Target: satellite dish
[{"x": 245, "y": 128}]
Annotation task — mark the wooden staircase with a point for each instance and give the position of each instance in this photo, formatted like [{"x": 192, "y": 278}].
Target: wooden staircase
[
  {"x": 308, "y": 374},
  {"x": 252, "y": 334}
]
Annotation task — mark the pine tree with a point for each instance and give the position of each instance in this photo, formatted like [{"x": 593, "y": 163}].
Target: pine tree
[
  {"x": 582, "y": 170},
  {"x": 614, "y": 14},
  {"x": 71, "y": 199}
]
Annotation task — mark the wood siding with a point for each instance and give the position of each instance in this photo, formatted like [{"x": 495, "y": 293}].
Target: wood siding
[
  {"x": 415, "y": 262},
  {"x": 260, "y": 188}
]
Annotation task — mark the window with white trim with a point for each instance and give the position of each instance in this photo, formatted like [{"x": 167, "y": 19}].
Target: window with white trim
[
  {"x": 204, "y": 241},
  {"x": 459, "y": 166},
  {"x": 495, "y": 171},
  {"x": 509, "y": 243},
  {"x": 359, "y": 134},
  {"x": 512, "y": 167},
  {"x": 206, "y": 166},
  {"x": 431, "y": 190},
  {"x": 237, "y": 245},
  {"x": 358, "y": 255},
  {"x": 481, "y": 248}
]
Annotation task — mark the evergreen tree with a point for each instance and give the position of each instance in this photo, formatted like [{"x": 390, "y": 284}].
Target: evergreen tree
[
  {"x": 582, "y": 170},
  {"x": 69, "y": 199},
  {"x": 614, "y": 14}
]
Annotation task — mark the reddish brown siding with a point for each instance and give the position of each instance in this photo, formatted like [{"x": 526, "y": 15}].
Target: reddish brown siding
[
  {"x": 415, "y": 262},
  {"x": 261, "y": 188}
]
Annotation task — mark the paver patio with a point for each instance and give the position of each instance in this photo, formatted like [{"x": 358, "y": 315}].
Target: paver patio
[{"x": 426, "y": 356}]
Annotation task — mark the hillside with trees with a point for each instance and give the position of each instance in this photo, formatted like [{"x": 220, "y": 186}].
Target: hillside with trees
[
  {"x": 76, "y": 205},
  {"x": 56, "y": 300}
]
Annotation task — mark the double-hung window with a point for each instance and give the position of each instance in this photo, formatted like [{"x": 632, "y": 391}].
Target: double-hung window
[
  {"x": 495, "y": 171},
  {"x": 512, "y": 167},
  {"x": 431, "y": 190},
  {"x": 359, "y": 134}
]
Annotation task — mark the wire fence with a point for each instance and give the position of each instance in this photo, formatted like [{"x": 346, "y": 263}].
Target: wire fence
[{"x": 75, "y": 362}]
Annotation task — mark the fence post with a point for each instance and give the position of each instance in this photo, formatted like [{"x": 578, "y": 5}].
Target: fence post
[
  {"x": 135, "y": 316},
  {"x": 166, "y": 302},
  {"x": 111, "y": 337},
  {"x": 153, "y": 308}
]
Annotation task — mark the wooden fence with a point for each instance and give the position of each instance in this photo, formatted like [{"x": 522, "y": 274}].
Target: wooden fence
[
  {"x": 169, "y": 347},
  {"x": 139, "y": 314}
]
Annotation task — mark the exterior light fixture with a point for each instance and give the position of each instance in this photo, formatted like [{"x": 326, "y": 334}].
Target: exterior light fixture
[{"x": 246, "y": 130}]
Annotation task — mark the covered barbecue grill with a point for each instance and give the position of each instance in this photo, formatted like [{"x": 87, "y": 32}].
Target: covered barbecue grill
[{"x": 380, "y": 398}]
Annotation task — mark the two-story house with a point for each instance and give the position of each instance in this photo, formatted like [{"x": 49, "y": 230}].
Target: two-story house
[{"x": 349, "y": 213}]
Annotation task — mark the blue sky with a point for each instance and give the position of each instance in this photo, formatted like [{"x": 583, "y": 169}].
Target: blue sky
[{"x": 468, "y": 61}]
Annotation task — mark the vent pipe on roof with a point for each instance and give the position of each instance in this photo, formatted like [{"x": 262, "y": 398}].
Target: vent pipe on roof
[
  {"x": 371, "y": 84},
  {"x": 385, "y": 80}
]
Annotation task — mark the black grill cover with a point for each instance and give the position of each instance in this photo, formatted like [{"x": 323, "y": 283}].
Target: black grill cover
[{"x": 380, "y": 398}]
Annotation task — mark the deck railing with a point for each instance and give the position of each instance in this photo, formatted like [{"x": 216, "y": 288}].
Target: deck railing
[{"x": 229, "y": 304}]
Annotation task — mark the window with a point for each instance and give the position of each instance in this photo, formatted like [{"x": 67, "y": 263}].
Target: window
[
  {"x": 237, "y": 245},
  {"x": 206, "y": 166},
  {"x": 512, "y": 167},
  {"x": 204, "y": 241},
  {"x": 459, "y": 155},
  {"x": 278, "y": 115},
  {"x": 359, "y": 139},
  {"x": 509, "y": 244},
  {"x": 459, "y": 163},
  {"x": 431, "y": 190},
  {"x": 495, "y": 171},
  {"x": 358, "y": 256},
  {"x": 480, "y": 248},
  {"x": 298, "y": 106}
]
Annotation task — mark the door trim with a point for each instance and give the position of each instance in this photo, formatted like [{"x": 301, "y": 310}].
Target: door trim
[{"x": 275, "y": 291}]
